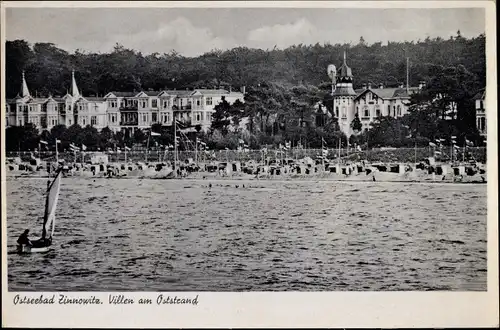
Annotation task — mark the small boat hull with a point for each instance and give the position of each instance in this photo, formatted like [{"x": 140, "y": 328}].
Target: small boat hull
[
  {"x": 38, "y": 246},
  {"x": 28, "y": 249}
]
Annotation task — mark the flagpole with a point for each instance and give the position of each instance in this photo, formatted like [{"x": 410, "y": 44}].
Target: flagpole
[
  {"x": 147, "y": 147},
  {"x": 322, "y": 156},
  {"x": 196, "y": 151},
  {"x": 463, "y": 153},
  {"x": 57, "y": 155},
  {"x": 339, "y": 153},
  {"x": 175, "y": 146},
  {"x": 125, "y": 154},
  {"x": 415, "y": 151}
]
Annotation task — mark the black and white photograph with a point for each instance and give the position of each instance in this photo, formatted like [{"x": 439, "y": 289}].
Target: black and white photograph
[{"x": 188, "y": 149}]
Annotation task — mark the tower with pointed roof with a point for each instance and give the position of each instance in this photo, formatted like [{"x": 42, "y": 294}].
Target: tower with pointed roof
[
  {"x": 25, "y": 92},
  {"x": 343, "y": 97},
  {"x": 74, "y": 88}
]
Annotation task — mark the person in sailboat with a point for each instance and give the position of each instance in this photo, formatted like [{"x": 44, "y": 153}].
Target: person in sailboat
[{"x": 24, "y": 239}]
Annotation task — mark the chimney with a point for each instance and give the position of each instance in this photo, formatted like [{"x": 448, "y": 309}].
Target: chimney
[
  {"x": 364, "y": 86},
  {"x": 381, "y": 86},
  {"x": 369, "y": 85},
  {"x": 243, "y": 90}
]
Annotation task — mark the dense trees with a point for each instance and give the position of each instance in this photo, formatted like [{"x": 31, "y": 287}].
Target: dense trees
[
  {"x": 48, "y": 68},
  {"x": 283, "y": 88}
]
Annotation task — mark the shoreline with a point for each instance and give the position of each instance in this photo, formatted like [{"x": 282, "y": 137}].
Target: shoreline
[{"x": 383, "y": 177}]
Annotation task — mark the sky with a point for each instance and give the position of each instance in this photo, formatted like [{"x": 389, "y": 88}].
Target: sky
[{"x": 194, "y": 31}]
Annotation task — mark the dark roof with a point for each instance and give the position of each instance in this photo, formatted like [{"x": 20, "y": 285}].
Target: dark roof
[
  {"x": 180, "y": 92},
  {"x": 94, "y": 98},
  {"x": 389, "y": 93},
  {"x": 152, "y": 93},
  {"x": 124, "y": 94},
  {"x": 344, "y": 91},
  {"x": 345, "y": 71}
]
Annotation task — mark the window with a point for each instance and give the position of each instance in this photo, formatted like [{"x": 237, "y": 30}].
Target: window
[
  {"x": 154, "y": 117},
  {"x": 366, "y": 112},
  {"x": 399, "y": 110},
  {"x": 145, "y": 118},
  {"x": 69, "y": 122},
  {"x": 377, "y": 112},
  {"x": 198, "y": 102},
  {"x": 154, "y": 103},
  {"x": 84, "y": 122},
  {"x": 388, "y": 110},
  {"x": 93, "y": 120},
  {"x": 344, "y": 112},
  {"x": 357, "y": 110},
  {"x": 337, "y": 112},
  {"x": 208, "y": 101},
  {"x": 481, "y": 105},
  {"x": 198, "y": 116},
  {"x": 209, "y": 116},
  {"x": 165, "y": 104}
]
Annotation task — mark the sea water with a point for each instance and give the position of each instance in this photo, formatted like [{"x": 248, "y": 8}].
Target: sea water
[{"x": 182, "y": 235}]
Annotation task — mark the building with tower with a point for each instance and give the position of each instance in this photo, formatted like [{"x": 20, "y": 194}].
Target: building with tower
[
  {"x": 368, "y": 102},
  {"x": 119, "y": 111}
]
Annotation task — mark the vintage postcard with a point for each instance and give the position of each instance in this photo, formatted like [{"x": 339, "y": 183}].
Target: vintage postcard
[{"x": 249, "y": 164}]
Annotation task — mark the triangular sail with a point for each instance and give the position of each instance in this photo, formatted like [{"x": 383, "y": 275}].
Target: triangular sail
[{"x": 51, "y": 204}]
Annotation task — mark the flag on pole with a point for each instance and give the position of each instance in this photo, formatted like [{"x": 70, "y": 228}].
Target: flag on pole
[
  {"x": 84, "y": 147},
  {"x": 44, "y": 142},
  {"x": 188, "y": 130},
  {"x": 155, "y": 134},
  {"x": 58, "y": 141}
]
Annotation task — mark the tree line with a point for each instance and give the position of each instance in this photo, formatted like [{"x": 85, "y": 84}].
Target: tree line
[
  {"x": 287, "y": 91},
  {"x": 48, "y": 68}
]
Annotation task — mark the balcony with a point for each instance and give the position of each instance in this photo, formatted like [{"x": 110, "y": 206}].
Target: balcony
[
  {"x": 129, "y": 123},
  {"x": 129, "y": 107},
  {"x": 188, "y": 107}
]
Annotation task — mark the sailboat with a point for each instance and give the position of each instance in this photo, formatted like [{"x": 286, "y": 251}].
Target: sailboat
[{"x": 49, "y": 220}]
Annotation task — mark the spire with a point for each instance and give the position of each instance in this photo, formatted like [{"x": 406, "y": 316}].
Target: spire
[
  {"x": 345, "y": 70},
  {"x": 24, "y": 89},
  {"x": 74, "y": 88}
]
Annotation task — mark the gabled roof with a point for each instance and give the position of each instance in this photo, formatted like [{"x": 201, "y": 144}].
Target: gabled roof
[
  {"x": 120, "y": 94},
  {"x": 180, "y": 93},
  {"x": 388, "y": 93},
  {"x": 148, "y": 93}
]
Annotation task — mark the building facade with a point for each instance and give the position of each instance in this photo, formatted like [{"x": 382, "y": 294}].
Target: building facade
[
  {"x": 480, "y": 100},
  {"x": 368, "y": 102},
  {"x": 119, "y": 111}
]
